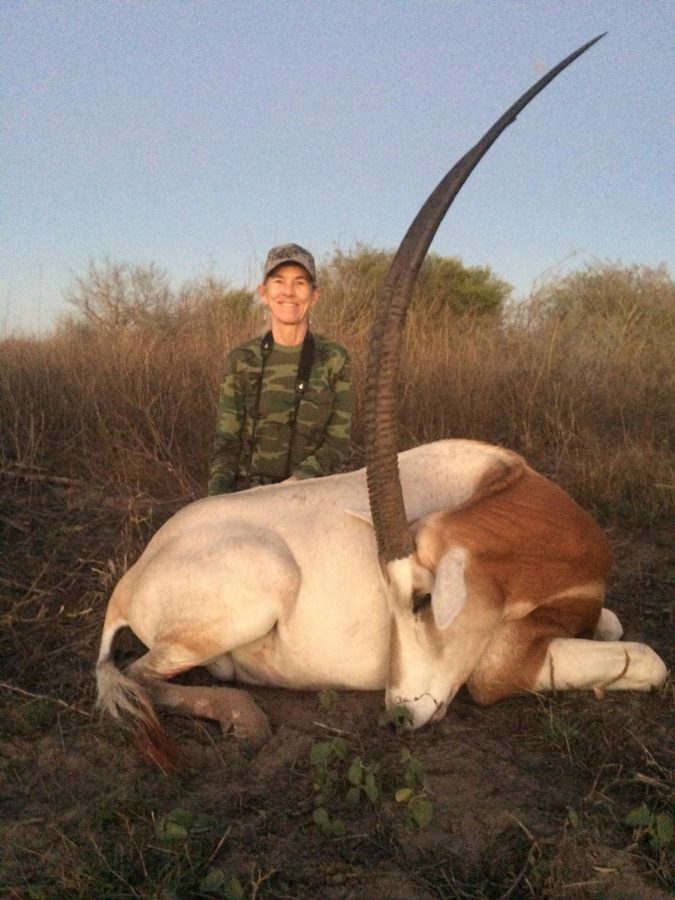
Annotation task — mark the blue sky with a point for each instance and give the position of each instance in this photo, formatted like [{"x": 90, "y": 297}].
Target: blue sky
[{"x": 195, "y": 135}]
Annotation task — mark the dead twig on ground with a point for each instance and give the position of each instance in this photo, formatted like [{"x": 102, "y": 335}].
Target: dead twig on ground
[
  {"x": 42, "y": 477},
  {"x": 17, "y": 690}
]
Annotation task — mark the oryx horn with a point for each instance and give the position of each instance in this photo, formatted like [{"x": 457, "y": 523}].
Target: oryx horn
[{"x": 384, "y": 486}]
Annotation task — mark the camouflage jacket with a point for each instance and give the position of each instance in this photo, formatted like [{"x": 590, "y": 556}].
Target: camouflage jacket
[{"x": 323, "y": 427}]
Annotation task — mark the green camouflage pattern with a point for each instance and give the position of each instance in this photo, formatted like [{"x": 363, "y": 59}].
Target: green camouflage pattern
[{"x": 323, "y": 427}]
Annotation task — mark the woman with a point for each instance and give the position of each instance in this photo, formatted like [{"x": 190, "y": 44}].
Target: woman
[{"x": 285, "y": 400}]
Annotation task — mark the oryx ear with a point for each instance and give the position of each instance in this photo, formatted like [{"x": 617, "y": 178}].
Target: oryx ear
[{"x": 449, "y": 594}]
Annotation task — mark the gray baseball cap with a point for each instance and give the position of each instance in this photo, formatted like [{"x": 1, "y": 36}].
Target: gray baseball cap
[{"x": 290, "y": 253}]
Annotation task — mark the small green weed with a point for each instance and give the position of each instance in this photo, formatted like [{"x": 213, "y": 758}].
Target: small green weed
[
  {"x": 223, "y": 884},
  {"x": 325, "y": 757},
  {"x": 328, "y": 699},
  {"x": 181, "y": 824},
  {"x": 334, "y": 828},
  {"x": 573, "y": 818},
  {"x": 328, "y": 759},
  {"x": 657, "y": 829},
  {"x": 414, "y": 797},
  {"x": 184, "y": 835},
  {"x": 399, "y": 717},
  {"x": 364, "y": 782}
]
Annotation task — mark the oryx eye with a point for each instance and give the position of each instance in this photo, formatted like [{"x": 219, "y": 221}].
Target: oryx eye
[{"x": 420, "y": 602}]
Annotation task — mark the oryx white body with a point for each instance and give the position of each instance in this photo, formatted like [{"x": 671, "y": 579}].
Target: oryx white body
[{"x": 281, "y": 585}]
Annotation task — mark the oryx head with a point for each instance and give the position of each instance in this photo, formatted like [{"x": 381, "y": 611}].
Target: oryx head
[{"x": 416, "y": 667}]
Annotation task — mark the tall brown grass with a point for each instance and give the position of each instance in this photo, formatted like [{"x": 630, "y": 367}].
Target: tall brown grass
[{"x": 580, "y": 379}]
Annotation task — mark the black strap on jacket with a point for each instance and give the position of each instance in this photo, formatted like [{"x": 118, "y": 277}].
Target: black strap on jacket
[{"x": 301, "y": 385}]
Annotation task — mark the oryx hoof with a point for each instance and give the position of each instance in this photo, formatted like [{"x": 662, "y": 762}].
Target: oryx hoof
[{"x": 248, "y": 724}]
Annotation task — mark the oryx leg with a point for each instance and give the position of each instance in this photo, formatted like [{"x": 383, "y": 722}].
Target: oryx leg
[
  {"x": 222, "y": 668},
  {"x": 234, "y": 709},
  {"x": 514, "y": 658},
  {"x": 229, "y": 601},
  {"x": 608, "y": 628},
  {"x": 574, "y": 663},
  {"x": 536, "y": 653}
]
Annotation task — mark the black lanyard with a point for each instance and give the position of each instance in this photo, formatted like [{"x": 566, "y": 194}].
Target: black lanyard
[{"x": 301, "y": 385}]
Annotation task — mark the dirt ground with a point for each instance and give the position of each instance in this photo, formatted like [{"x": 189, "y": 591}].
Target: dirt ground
[{"x": 566, "y": 796}]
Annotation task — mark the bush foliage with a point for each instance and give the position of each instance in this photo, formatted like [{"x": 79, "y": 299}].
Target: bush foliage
[{"x": 352, "y": 282}]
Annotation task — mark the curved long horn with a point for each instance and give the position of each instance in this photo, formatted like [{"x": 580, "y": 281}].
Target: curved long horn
[{"x": 384, "y": 485}]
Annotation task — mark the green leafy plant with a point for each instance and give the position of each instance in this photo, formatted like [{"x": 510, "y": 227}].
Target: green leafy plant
[
  {"x": 181, "y": 824},
  {"x": 327, "y": 758},
  {"x": 658, "y": 829},
  {"x": 363, "y": 780},
  {"x": 324, "y": 757},
  {"x": 414, "y": 797},
  {"x": 216, "y": 881},
  {"x": 328, "y": 699},
  {"x": 573, "y": 818},
  {"x": 338, "y": 782},
  {"x": 331, "y": 827},
  {"x": 399, "y": 717}
]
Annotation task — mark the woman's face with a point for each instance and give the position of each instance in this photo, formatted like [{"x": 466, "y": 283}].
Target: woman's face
[{"x": 289, "y": 294}]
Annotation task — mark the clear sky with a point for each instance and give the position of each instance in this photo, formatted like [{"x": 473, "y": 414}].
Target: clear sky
[{"x": 196, "y": 134}]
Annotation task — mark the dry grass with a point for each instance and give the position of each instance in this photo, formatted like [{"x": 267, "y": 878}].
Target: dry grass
[{"x": 587, "y": 395}]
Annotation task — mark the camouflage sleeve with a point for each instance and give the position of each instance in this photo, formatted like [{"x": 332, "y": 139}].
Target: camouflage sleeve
[
  {"x": 332, "y": 452},
  {"x": 229, "y": 421}
]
